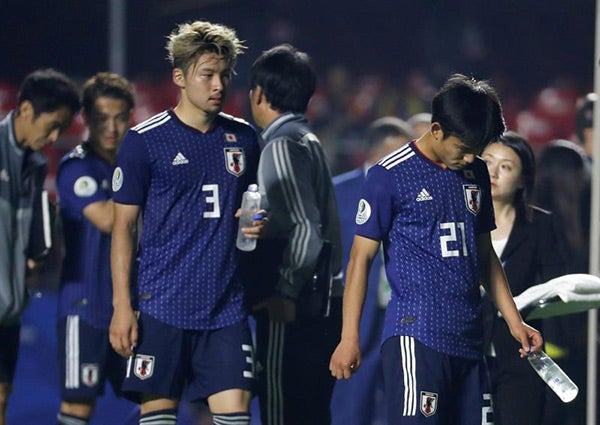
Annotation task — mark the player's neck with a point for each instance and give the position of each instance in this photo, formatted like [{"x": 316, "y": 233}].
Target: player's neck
[
  {"x": 194, "y": 117},
  {"x": 426, "y": 145},
  {"x": 109, "y": 156}
]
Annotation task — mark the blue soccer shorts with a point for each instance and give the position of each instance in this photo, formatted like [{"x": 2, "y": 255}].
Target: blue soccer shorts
[
  {"x": 86, "y": 360},
  {"x": 168, "y": 360},
  {"x": 424, "y": 386}
]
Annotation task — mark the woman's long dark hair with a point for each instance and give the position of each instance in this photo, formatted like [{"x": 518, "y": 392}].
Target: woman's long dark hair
[{"x": 523, "y": 195}]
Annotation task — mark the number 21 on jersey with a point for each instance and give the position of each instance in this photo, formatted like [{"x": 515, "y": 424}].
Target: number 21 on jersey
[{"x": 454, "y": 242}]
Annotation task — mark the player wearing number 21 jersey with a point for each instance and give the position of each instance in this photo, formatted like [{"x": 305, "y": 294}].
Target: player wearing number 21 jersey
[{"x": 427, "y": 218}]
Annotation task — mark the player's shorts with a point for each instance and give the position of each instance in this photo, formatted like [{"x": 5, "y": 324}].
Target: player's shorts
[
  {"x": 424, "y": 386},
  {"x": 86, "y": 360},
  {"x": 9, "y": 349},
  {"x": 168, "y": 360}
]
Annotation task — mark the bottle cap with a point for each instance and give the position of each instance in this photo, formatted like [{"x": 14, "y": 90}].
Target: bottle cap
[{"x": 253, "y": 188}]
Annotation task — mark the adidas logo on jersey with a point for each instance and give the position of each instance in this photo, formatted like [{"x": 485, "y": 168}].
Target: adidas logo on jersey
[
  {"x": 180, "y": 159},
  {"x": 424, "y": 196}
]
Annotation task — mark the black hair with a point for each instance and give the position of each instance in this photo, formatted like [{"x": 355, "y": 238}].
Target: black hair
[
  {"x": 523, "y": 150},
  {"x": 470, "y": 110},
  {"x": 286, "y": 77},
  {"x": 106, "y": 84},
  {"x": 49, "y": 90}
]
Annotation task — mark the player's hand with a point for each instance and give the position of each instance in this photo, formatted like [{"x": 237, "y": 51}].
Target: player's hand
[
  {"x": 259, "y": 224},
  {"x": 280, "y": 309},
  {"x": 124, "y": 331},
  {"x": 530, "y": 338},
  {"x": 346, "y": 360}
]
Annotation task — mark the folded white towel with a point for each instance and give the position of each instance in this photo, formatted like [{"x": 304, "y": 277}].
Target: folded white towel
[{"x": 569, "y": 287}]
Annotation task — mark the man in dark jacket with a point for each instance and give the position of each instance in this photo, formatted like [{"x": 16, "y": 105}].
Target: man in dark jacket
[{"x": 299, "y": 313}]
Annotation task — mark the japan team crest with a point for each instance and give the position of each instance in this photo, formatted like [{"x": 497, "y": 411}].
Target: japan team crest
[
  {"x": 428, "y": 404},
  {"x": 143, "y": 367},
  {"x": 235, "y": 161},
  {"x": 472, "y": 197},
  {"x": 89, "y": 374}
]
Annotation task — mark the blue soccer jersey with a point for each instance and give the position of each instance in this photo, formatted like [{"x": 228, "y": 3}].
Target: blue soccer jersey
[
  {"x": 428, "y": 219},
  {"x": 86, "y": 289},
  {"x": 189, "y": 185}
]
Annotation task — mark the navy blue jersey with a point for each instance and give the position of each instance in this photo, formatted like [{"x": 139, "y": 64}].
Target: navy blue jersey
[
  {"x": 86, "y": 288},
  {"x": 189, "y": 185},
  {"x": 428, "y": 219}
]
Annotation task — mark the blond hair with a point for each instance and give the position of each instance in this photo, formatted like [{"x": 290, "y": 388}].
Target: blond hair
[{"x": 192, "y": 39}]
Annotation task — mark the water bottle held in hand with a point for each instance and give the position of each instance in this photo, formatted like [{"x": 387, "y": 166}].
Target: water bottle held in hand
[
  {"x": 554, "y": 376},
  {"x": 250, "y": 205}
]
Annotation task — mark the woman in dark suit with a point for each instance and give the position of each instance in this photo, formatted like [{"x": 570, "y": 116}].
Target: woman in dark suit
[{"x": 525, "y": 240}]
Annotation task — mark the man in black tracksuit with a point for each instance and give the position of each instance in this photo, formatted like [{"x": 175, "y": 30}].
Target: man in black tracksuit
[{"x": 298, "y": 310}]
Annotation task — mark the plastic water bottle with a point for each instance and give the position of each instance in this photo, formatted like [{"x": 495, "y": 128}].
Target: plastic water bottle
[
  {"x": 554, "y": 376},
  {"x": 250, "y": 205}
]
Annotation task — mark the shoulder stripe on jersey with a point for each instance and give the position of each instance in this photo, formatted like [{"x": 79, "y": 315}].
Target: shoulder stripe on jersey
[
  {"x": 156, "y": 124},
  {"x": 394, "y": 154},
  {"x": 232, "y": 118},
  {"x": 409, "y": 375},
  {"x": 396, "y": 157},
  {"x": 150, "y": 121},
  {"x": 291, "y": 193}
]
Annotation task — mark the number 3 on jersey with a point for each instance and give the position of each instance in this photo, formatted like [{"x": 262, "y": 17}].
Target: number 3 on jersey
[
  {"x": 211, "y": 198},
  {"x": 453, "y": 243}
]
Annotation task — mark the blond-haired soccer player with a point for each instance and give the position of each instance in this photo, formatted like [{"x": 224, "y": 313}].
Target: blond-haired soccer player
[{"x": 185, "y": 169}]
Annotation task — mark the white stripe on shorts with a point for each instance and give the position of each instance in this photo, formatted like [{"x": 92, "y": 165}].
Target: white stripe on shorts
[
  {"x": 72, "y": 353},
  {"x": 409, "y": 373}
]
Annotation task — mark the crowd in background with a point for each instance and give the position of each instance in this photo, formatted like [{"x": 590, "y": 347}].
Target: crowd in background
[{"x": 346, "y": 103}]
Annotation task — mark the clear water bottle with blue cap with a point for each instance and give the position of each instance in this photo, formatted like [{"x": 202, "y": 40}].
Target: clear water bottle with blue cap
[{"x": 250, "y": 206}]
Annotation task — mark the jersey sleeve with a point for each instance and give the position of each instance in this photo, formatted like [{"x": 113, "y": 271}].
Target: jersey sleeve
[
  {"x": 131, "y": 176},
  {"x": 487, "y": 221},
  {"x": 78, "y": 187},
  {"x": 374, "y": 213}
]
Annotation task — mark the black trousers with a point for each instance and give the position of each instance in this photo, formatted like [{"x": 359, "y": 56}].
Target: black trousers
[
  {"x": 294, "y": 382},
  {"x": 518, "y": 393}
]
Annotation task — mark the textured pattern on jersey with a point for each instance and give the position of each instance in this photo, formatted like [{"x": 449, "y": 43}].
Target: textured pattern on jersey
[
  {"x": 189, "y": 185},
  {"x": 86, "y": 286},
  {"x": 428, "y": 219}
]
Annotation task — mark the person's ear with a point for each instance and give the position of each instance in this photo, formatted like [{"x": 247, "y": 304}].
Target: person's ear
[
  {"x": 436, "y": 131},
  {"x": 179, "y": 77},
  {"x": 259, "y": 95},
  {"x": 26, "y": 110}
]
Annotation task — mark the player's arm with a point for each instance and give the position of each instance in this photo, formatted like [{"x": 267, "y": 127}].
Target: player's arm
[
  {"x": 123, "y": 326},
  {"x": 497, "y": 286},
  {"x": 346, "y": 358},
  {"x": 100, "y": 214}
]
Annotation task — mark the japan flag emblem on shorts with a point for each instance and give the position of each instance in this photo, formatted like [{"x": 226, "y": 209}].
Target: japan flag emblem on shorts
[
  {"x": 472, "y": 197},
  {"x": 235, "y": 161},
  {"x": 89, "y": 374},
  {"x": 428, "y": 403},
  {"x": 143, "y": 367}
]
